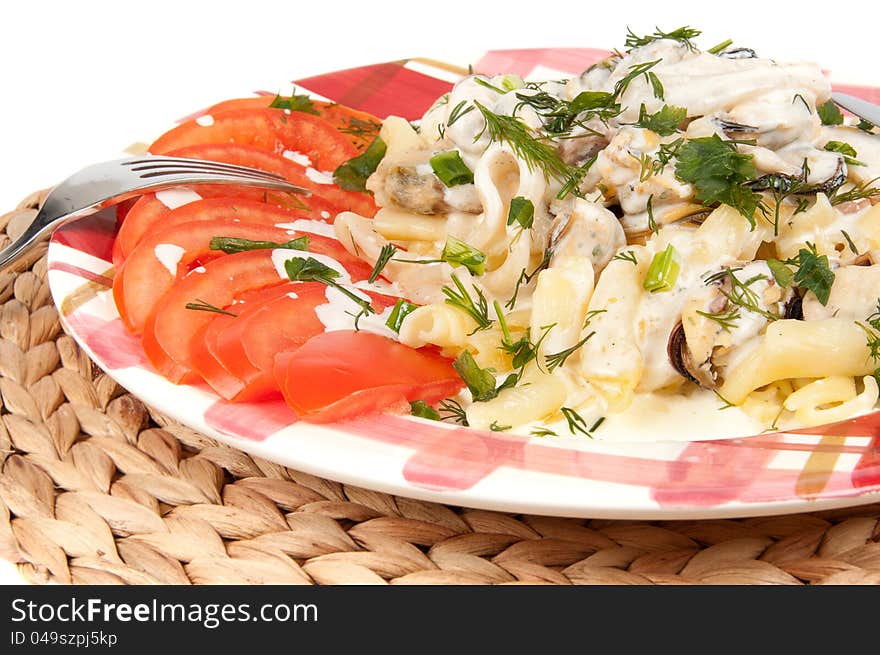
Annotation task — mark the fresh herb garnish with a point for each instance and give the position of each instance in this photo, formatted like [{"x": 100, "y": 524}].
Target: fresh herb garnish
[
  {"x": 496, "y": 427},
  {"x": 382, "y": 260},
  {"x": 536, "y": 153},
  {"x": 664, "y": 122},
  {"x": 353, "y": 174},
  {"x": 231, "y": 245},
  {"x": 423, "y": 410},
  {"x": 558, "y": 359},
  {"x": 635, "y": 71},
  {"x": 302, "y": 269},
  {"x": 849, "y": 242},
  {"x": 480, "y": 381},
  {"x": 782, "y": 186},
  {"x": 521, "y": 211},
  {"x": 576, "y": 422},
  {"x": 296, "y": 102},
  {"x": 543, "y": 432},
  {"x": 576, "y": 176},
  {"x": 849, "y": 153},
  {"x": 813, "y": 272},
  {"x": 862, "y": 191},
  {"x": 452, "y": 410},
  {"x": 402, "y": 308},
  {"x": 458, "y": 253},
  {"x": 663, "y": 271},
  {"x": 477, "y": 309},
  {"x": 365, "y": 129},
  {"x": 202, "y": 306},
  {"x": 719, "y": 48},
  {"x": 741, "y": 293},
  {"x": 458, "y": 111},
  {"x": 718, "y": 170},
  {"x": 829, "y": 114},
  {"x": 627, "y": 256},
  {"x": 683, "y": 35},
  {"x": 450, "y": 169},
  {"x": 872, "y": 332}
]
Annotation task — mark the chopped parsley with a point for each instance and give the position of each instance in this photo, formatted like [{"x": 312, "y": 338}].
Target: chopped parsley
[
  {"x": 829, "y": 113},
  {"x": 718, "y": 170},
  {"x": 353, "y": 174},
  {"x": 423, "y": 410},
  {"x": 664, "y": 122},
  {"x": 295, "y": 102},
  {"x": 521, "y": 211},
  {"x": 812, "y": 272},
  {"x": 480, "y": 381}
]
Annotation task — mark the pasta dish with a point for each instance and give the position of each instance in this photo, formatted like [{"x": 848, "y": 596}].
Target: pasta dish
[
  {"x": 675, "y": 243},
  {"x": 672, "y": 228}
]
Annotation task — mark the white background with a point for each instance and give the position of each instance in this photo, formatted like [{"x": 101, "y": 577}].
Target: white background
[{"x": 80, "y": 81}]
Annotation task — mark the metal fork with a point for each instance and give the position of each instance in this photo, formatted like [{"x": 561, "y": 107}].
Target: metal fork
[
  {"x": 101, "y": 185},
  {"x": 861, "y": 108}
]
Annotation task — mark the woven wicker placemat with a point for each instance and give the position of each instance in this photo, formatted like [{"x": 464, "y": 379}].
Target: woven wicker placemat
[{"x": 96, "y": 488}]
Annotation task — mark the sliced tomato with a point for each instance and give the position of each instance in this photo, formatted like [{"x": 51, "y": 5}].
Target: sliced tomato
[
  {"x": 162, "y": 257},
  {"x": 226, "y": 377},
  {"x": 343, "y": 374},
  {"x": 171, "y": 327},
  {"x": 269, "y": 130},
  {"x": 282, "y": 320},
  {"x": 359, "y": 127},
  {"x": 243, "y": 155},
  {"x": 149, "y": 214},
  {"x": 278, "y": 325}
]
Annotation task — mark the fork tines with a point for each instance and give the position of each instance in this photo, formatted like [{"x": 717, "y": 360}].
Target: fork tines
[{"x": 159, "y": 166}]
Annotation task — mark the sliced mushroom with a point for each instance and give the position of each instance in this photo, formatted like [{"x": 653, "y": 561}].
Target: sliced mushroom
[
  {"x": 681, "y": 360},
  {"x": 734, "y": 130},
  {"x": 738, "y": 53}
]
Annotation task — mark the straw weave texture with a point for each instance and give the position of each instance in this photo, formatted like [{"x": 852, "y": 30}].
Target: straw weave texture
[{"x": 98, "y": 489}]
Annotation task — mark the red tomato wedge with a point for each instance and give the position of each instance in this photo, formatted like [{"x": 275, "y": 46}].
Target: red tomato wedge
[
  {"x": 267, "y": 129},
  {"x": 284, "y": 316},
  {"x": 150, "y": 214},
  {"x": 296, "y": 173},
  {"x": 359, "y": 126},
  {"x": 171, "y": 327},
  {"x": 270, "y": 330},
  {"x": 147, "y": 273},
  {"x": 344, "y": 374}
]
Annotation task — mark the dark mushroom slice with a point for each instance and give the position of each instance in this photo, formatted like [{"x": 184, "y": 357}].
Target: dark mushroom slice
[
  {"x": 738, "y": 53},
  {"x": 575, "y": 151},
  {"x": 681, "y": 360},
  {"x": 794, "y": 308},
  {"x": 736, "y": 130},
  {"x": 797, "y": 184},
  {"x": 422, "y": 193}
]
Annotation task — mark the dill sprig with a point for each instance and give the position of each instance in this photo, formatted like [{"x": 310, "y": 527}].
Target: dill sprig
[
  {"x": 858, "y": 192},
  {"x": 627, "y": 256},
  {"x": 451, "y": 409},
  {"x": 536, "y": 153},
  {"x": 477, "y": 309},
  {"x": 741, "y": 294},
  {"x": 202, "y": 306},
  {"x": 683, "y": 35},
  {"x": 558, "y": 359},
  {"x": 385, "y": 256},
  {"x": 301, "y": 269}
]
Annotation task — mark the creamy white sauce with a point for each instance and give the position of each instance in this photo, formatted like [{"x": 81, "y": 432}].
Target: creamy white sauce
[
  {"x": 281, "y": 255},
  {"x": 340, "y": 311},
  {"x": 319, "y": 177},
  {"x": 205, "y": 121},
  {"x": 309, "y": 225},
  {"x": 297, "y": 157},
  {"x": 169, "y": 256},
  {"x": 174, "y": 198}
]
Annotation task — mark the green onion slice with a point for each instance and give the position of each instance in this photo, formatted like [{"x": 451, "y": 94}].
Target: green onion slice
[
  {"x": 451, "y": 170},
  {"x": 402, "y": 308},
  {"x": 663, "y": 271}
]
